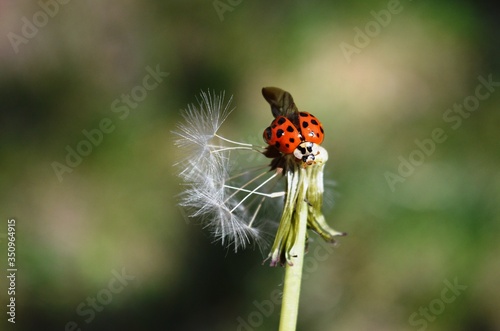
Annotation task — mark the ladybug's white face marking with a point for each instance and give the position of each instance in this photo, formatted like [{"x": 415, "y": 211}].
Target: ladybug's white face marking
[{"x": 307, "y": 152}]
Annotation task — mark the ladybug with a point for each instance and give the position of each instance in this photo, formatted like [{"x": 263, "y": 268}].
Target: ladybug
[
  {"x": 283, "y": 135},
  {"x": 310, "y": 128}
]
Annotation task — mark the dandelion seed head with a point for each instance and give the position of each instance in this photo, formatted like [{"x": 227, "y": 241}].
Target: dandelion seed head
[{"x": 211, "y": 192}]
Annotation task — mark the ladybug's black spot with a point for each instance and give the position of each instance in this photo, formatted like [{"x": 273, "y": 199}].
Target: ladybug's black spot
[
  {"x": 280, "y": 133},
  {"x": 281, "y": 120},
  {"x": 287, "y": 145},
  {"x": 290, "y": 128},
  {"x": 302, "y": 114},
  {"x": 292, "y": 140},
  {"x": 305, "y": 124},
  {"x": 277, "y": 145},
  {"x": 267, "y": 134},
  {"x": 321, "y": 129},
  {"x": 313, "y": 121}
]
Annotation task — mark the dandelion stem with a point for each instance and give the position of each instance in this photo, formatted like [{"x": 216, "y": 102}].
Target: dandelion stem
[{"x": 293, "y": 273}]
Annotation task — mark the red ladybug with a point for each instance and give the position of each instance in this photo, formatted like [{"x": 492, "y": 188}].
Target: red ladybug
[{"x": 286, "y": 137}]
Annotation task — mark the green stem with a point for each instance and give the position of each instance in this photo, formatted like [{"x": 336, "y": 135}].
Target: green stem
[{"x": 293, "y": 273}]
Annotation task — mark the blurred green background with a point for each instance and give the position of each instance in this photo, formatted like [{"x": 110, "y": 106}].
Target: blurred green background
[{"x": 115, "y": 212}]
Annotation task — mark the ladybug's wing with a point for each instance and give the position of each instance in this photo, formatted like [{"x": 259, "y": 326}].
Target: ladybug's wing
[{"x": 281, "y": 102}]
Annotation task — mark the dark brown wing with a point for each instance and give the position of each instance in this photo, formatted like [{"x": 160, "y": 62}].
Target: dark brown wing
[{"x": 281, "y": 103}]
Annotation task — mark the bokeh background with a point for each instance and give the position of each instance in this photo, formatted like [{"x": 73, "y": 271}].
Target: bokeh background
[{"x": 115, "y": 212}]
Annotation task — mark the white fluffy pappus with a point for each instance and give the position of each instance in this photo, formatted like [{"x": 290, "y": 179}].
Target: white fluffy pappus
[{"x": 216, "y": 191}]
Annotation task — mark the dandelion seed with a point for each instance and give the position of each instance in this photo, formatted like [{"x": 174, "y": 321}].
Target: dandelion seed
[{"x": 225, "y": 203}]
